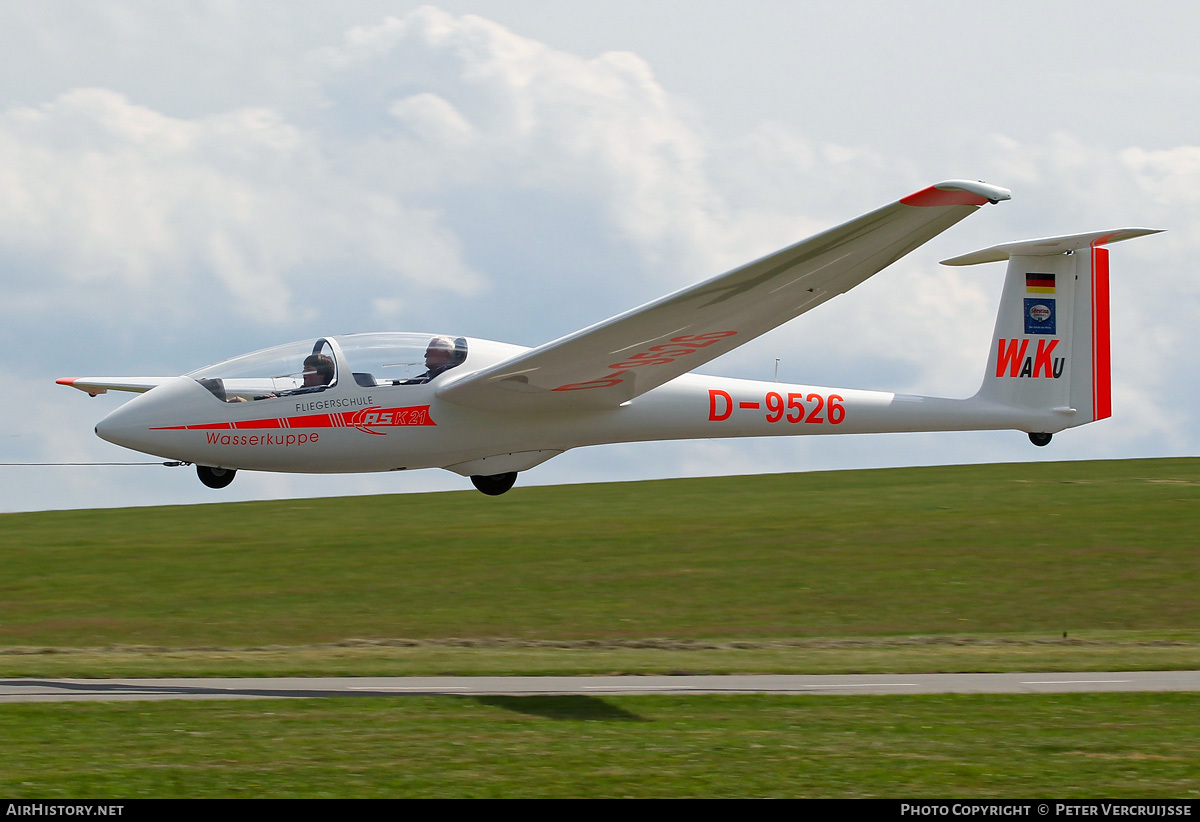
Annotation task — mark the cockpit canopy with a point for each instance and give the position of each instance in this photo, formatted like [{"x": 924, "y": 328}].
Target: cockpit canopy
[{"x": 370, "y": 360}]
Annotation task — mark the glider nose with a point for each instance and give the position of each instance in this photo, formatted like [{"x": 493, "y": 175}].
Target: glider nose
[
  {"x": 124, "y": 425},
  {"x": 139, "y": 424}
]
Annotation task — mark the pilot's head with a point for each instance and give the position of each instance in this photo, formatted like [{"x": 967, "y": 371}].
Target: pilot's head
[
  {"x": 318, "y": 370},
  {"x": 439, "y": 352}
]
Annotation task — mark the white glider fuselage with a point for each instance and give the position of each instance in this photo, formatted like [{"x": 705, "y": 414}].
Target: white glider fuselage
[
  {"x": 487, "y": 410},
  {"x": 349, "y": 428}
]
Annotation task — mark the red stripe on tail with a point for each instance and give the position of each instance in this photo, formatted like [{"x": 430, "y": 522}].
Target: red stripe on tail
[{"x": 1101, "y": 341}]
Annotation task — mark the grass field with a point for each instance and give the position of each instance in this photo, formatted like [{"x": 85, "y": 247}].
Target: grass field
[
  {"x": 1087, "y": 565},
  {"x": 1083, "y": 745},
  {"x": 1046, "y": 566}
]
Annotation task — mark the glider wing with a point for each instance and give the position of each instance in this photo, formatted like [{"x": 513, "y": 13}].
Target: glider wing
[
  {"x": 613, "y": 361},
  {"x": 102, "y": 385}
]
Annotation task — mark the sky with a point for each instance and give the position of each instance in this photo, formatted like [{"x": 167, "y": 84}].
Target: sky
[{"x": 184, "y": 182}]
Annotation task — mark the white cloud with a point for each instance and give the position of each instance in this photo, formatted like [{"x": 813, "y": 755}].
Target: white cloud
[
  {"x": 473, "y": 103},
  {"x": 232, "y": 212}
]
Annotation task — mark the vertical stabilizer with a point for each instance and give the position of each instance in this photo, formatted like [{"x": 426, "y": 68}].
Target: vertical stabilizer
[{"x": 1051, "y": 348}]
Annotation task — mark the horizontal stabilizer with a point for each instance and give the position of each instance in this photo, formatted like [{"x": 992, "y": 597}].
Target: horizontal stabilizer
[{"x": 1049, "y": 246}]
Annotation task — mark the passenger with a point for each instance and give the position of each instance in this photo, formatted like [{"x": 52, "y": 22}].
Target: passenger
[{"x": 440, "y": 356}]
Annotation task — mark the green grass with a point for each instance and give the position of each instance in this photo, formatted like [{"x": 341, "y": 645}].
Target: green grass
[
  {"x": 986, "y": 566},
  {"x": 1046, "y": 567},
  {"x": 1079, "y": 745}
]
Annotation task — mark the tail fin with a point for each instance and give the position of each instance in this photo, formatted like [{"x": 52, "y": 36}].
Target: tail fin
[{"x": 1050, "y": 349}]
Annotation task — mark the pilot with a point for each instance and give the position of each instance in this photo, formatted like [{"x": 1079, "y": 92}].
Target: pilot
[
  {"x": 440, "y": 356},
  {"x": 318, "y": 373}
]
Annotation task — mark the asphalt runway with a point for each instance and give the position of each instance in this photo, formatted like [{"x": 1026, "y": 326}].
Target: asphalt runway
[{"x": 124, "y": 690}]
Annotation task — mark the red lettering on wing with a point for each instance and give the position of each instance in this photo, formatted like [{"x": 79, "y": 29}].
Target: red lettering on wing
[{"x": 661, "y": 354}]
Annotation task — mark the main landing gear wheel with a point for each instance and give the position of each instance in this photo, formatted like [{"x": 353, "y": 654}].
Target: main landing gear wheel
[
  {"x": 1040, "y": 439},
  {"x": 215, "y": 477},
  {"x": 494, "y": 484}
]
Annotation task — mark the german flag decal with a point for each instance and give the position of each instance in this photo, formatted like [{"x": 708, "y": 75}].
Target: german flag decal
[{"x": 1039, "y": 283}]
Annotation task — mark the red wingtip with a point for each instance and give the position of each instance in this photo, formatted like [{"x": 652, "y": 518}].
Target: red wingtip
[
  {"x": 66, "y": 381},
  {"x": 934, "y": 196}
]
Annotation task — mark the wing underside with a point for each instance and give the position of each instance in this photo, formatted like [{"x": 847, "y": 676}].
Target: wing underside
[{"x": 613, "y": 361}]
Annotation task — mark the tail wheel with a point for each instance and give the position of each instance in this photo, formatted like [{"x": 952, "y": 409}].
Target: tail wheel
[
  {"x": 1040, "y": 439},
  {"x": 494, "y": 484},
  {"x": 215, "y": 477}
]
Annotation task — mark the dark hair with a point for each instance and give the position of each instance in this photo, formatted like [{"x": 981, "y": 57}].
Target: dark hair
[{"x": 322, "y": 364}]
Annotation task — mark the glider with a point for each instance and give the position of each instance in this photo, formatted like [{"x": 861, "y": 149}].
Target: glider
[{"x": 488, "y": 410}]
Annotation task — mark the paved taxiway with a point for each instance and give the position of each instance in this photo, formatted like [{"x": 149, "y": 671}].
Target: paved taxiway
[{"x": 120, "y": 690}]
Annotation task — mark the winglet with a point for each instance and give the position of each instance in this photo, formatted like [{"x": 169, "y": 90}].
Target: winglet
[
  {"x": 958, "y": 192},
  {"x": 1049, "y": 246}
]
